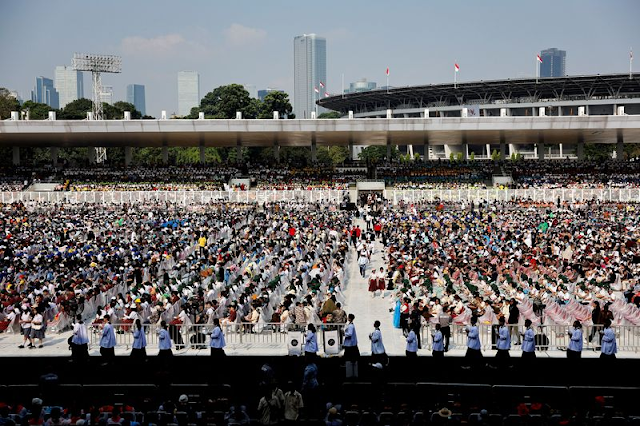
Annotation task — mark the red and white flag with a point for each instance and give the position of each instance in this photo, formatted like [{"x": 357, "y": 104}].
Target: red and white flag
[
  {"x": 315, "y": 89},
  {"x": 387, "y": 72},
  {"x": 322, "y": 85},
  {"x": 326, "y": 94},
  {"x": 456, "y": 67},
  {"x": 539, "y": 58}
]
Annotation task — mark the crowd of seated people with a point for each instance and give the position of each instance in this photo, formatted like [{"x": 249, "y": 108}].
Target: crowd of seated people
[
  {"x": 436, "y": 175},
  {"x": 295, "y": 403},
  {"x": 291, "y": 178},
  {"x": 170, "y": 178},
  {"x": 275, "y": 263},
  {"x": 557, "y": 264},
  {"x": 574, "y": 174}
]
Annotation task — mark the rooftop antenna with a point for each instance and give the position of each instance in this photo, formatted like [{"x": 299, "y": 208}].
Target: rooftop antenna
[{"x": 97, "y": 64}]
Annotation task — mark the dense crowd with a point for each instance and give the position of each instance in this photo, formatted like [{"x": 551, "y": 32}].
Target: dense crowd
[
  {"x": 436, "y": 175},
  {"x": 574, "y": 174},
  {"x": 554, "y": 265},
  {"x": 234, "y": 263}
]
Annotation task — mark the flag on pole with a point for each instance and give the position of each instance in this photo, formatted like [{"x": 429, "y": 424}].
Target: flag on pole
[
  {"x": 322, "y": 85},
  {"x": 387, "y": 72},
  {"x": 539, "y": 58},
  {"x": 631, "y": 54},
  {"x": 457, "y": 67},
  {"x": 326, "y": 94},
  {"x": 315, "y": 89}
]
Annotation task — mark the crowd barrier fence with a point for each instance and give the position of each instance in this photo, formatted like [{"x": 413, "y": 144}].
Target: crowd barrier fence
[{"x": 319, "y": 195}]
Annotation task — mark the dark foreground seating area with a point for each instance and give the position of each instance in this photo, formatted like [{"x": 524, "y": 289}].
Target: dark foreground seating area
[{"x": 203, "y": 391}]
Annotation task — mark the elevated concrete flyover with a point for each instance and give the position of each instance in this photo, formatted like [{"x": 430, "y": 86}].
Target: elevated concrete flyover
[{"x": 395, "y": 131}]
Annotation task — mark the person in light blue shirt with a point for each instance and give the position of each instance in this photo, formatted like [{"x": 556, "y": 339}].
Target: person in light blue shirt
[
  {"x": 108, "y": 340},
  {"x": 609, "y": 346},
  {"x": 574, "y": 350},
  {"x": 503, "y": 343},
  {"x": 351, "y": 351},
  {"x": 438, "y": 343},
  {"x": 80, "y": 341},
  {"x": 139, "y": 347},
  {"x": 310, "y": 342},
  {"x": 217, "y": 340},
  {"x": 528, "y": 341},
  {"x": 164, "y": 341},
  {"x": 412, "y": 342},
  {"x": 377, "y": 347},
  {"x": 473, "y": 339}
]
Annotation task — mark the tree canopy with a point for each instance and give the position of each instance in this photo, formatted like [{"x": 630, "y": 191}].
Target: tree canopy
[
  {"x": 329, "y": 115},
  {"x": 76, "y": 110},
  {"x": 7, "y": 104},
  {"x": 276, "y": 101},
  {"x": 36, "y": 110},
  {"x": 116, "y": 111}
]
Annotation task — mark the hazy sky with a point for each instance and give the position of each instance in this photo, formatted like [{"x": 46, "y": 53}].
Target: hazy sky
[{"x": 251, "y": 42}]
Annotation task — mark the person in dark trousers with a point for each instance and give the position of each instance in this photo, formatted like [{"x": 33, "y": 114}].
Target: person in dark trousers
[
  {"x": 164, "y": 341},
  {"x": 514, "y": 317},
  {"x": 217, "y": 340},
  {"x": 108, "y": 340}
]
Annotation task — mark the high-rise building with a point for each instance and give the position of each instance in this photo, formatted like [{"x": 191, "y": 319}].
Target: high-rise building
[
  {"x": 135, "y": 96},
  {"x": 45, "y": 93},
  {"x": 188, "y": 91},
  {"x": 553, "y": 63},
  {"x": 309, "y": 73},
  {"x": 361, "y": 85},
  {"x": 69, "y": 84},
  {"x": 106, "y": 95},
  {"x": 262, "y": 93}
]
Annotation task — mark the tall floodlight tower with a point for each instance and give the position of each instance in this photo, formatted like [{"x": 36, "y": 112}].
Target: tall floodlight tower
[{"x": 97, "y": 64}]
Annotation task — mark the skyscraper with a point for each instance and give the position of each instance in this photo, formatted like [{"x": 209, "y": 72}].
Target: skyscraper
[
  {"x": 135, "y": 96},
  {"x": 309, "y": 71},
  {"x": 45, "y": 93},
  {"x": 106, "y": 95},
  {"x": 188, "y": 91},
  {"x": 69, "y": 84},
  {"x": 553, "y": 63}
]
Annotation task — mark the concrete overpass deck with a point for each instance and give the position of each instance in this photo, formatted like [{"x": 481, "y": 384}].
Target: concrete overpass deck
[{"x": 378, "y": 131}]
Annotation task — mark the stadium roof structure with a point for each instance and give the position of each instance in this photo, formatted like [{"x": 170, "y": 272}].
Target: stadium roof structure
[{"x": 570, "y": 88}]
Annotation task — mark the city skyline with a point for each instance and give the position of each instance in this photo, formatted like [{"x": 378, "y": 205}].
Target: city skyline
[
  {"x": 250, "y": 43},
  {"x": 309, "y": 74}
]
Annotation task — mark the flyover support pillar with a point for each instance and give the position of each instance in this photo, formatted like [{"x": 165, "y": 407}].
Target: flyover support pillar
[
  {"x": 276, "y": 151},
  {"x": 203, "y": 157},
  {"x": 540, "y": 147},
  {"x": 53, "y": 151},
  {"x": 165, "y": 154},
  {"x": 388, "y": 149},
  {"x": 580, "y": 149},
  {"x": 350, "y": 156},
  {"x": 620, "y": 148},
  {"x": 16, "y": 155},
  {"x": 503, "y": 148},
  {"x": 91, "y": 154},
  {"x": 128, "y": 156},
  {"x": 314, "y": 154},
  {"x": 238, "y": 152}
]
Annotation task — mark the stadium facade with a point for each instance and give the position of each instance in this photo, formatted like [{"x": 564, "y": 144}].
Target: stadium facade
[{"x": 592, "y": 95}]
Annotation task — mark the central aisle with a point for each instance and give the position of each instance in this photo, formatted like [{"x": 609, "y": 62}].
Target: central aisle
[{"x": 367, "y": 309}]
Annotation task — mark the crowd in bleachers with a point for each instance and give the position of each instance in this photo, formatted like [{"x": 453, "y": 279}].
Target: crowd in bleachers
[
  {"x": 574, "y": 174},
  {"x": 170, "y": 178},
  {"x": 289, "y": 178},
  {"x": 436, "y": 175},
  {"x": 154, "y": 262}
]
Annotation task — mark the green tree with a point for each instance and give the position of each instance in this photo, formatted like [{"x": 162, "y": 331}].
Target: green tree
[
  {"x": 472, "y": 156},
  {"x": 116, "y": 111},
  {"x": 329, "y": 115},
  {"x": 333, "y": 154},
  {"x": 224, "y": 101},
  {"x": 36, "y": 110},
  {"x": 276, "y": 101},
  {"x": 598, "y": 151},
  {"x": 76, "y": 110},
  {"x": 7, "y": 104},
  {"x": 377, "y": 153}
]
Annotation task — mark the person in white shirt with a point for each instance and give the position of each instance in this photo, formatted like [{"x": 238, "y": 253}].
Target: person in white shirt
[{"x": 25, "y": 326}]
